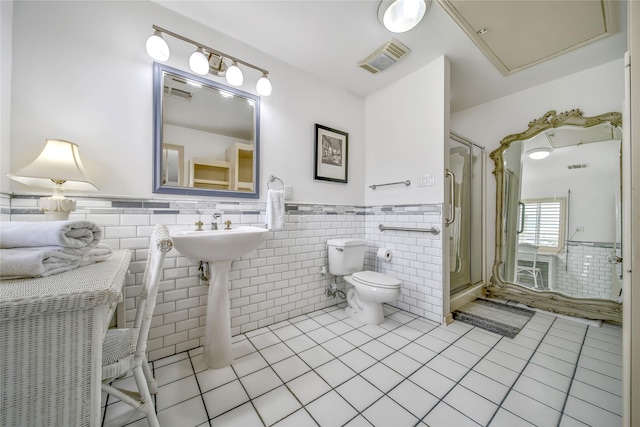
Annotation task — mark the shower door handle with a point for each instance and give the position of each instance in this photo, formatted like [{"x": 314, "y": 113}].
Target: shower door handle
[{"x": 452, "y": 196}]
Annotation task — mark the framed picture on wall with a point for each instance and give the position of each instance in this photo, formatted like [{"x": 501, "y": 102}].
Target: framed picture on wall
[{"x": 332, "y": 148}]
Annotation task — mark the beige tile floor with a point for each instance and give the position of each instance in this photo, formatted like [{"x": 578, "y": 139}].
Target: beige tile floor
[{"x": 325, "y": 369}]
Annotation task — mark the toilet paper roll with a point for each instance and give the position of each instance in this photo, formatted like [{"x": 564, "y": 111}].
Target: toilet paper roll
[{"x": 384, "y": 254}]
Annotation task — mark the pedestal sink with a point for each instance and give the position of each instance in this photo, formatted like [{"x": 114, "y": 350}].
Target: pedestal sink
[{"x": 219, "y": 248}]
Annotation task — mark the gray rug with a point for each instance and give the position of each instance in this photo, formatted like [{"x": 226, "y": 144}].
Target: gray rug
[{"x": 493, "y": 316}]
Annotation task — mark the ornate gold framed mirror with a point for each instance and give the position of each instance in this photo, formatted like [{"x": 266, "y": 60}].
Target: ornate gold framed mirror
[{"x": 558, "y": 216}]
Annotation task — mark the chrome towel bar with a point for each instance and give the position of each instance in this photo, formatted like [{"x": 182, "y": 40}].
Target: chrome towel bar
[
  {"x": 432, "y": 230},
  {"x": 374, "y": 186}
]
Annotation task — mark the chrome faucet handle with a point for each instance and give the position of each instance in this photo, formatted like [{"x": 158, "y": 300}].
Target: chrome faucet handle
[{"x": 199, "y": 225}]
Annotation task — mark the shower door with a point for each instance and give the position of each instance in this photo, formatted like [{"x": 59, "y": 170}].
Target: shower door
[{"x": 465, "y": 223}]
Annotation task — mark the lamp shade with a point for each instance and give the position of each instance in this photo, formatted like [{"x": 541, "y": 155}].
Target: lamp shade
[
  {"x": 59, "y": 161},
  {"x": 263, "y": 87},
  {"x": 157, "y": 47},
  {"x": 199, "y": 63},
  {"x": 234, "y": 75}
]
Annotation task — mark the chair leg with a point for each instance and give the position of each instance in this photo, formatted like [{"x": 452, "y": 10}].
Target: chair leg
[
  {"x": 151, "y": 381},
  {"x": 147, "y": 401}
]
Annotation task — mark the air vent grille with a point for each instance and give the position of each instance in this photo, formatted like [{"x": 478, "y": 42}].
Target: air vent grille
[
  {"x": 385, "y": 56},
  {"x": 178, "y": 93},
  {"x": 579, "y": 166}
]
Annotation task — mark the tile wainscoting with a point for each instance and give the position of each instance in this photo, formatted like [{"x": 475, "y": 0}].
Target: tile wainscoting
[{"x": 280, "y": 280}]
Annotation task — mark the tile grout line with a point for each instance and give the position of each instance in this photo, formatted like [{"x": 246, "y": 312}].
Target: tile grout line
[
  {"x": 520, "y": 375},
  {"x": 206, "y": 411}
]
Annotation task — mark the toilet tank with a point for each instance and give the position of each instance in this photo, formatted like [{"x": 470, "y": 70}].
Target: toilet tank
[{"x": 346, "y": 256}]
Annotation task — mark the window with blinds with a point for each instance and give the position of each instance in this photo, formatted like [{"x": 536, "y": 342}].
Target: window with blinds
[{"x": 542, "y": 223}]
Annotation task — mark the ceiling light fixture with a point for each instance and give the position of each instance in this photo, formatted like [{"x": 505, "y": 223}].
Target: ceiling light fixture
[
  {"x": 207, "y": 60},
  {"x": 399, "y": 16},
  {"x": 538, "y": 153}
]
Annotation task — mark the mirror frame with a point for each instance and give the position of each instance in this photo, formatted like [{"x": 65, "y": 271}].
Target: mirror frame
[
  {"x": 590, "y": 308},
  {"x": 158, "y": 73}
]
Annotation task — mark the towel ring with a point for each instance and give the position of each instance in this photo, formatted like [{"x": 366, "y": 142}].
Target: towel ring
[{"x": 274, "y": 178}]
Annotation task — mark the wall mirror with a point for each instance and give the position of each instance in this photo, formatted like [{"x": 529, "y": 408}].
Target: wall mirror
[
  {"x": 558, "y": 216},
  {"x": 206, "y": 136}
]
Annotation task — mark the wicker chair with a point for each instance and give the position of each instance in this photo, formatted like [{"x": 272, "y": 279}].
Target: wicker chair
[{"x": 124, "y": 349}]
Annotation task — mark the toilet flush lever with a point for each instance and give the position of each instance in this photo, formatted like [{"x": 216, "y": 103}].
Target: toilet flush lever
[{"x": 340, "y": 249}]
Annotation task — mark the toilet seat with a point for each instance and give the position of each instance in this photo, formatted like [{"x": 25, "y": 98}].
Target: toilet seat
[{"x": 376, "y": 280}]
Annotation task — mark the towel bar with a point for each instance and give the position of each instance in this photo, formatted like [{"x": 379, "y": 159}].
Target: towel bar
[
  {"x": 432, "y": 230},
  {"x": 374, "y": 186}
]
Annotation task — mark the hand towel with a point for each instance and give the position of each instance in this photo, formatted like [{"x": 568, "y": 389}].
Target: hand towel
[
  {"x": 47, "y": 260},
  {"x": 67, "y": 234},
  {"x": 274, "y": 217}
]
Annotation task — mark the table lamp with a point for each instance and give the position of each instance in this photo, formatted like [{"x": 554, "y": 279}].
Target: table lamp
[{"x": 58, "y": 163}]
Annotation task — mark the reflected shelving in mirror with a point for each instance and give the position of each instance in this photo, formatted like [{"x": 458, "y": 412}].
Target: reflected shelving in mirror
[
  {"x": 567, "y": 206},
  {"x": 206, "y": 136}
]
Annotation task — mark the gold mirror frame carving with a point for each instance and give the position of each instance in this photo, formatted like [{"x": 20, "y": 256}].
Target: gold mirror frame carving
[{"x": 590, "y": 308}]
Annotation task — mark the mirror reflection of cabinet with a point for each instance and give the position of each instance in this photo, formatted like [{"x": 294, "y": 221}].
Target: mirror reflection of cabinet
[
  {"x": 210, "y": 174},
  {"x": 172, "y": 165},
  {"x": 240, "y": 156}
]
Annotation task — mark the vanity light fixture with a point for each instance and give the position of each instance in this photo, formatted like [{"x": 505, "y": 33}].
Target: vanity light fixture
[
  {"x": 234, "y": 75},
  {"x": 199, "y": 63},
  {"x": 58, "y": 167},
  {"x": 157, "y": 47},
  {"x": 207, "y": 60},
  {"x": 399, "y": 16}
]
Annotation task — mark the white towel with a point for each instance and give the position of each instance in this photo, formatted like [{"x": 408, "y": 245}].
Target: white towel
[
  {"x": 274, "y": 217},
  {"x": 67, "y": 234},
  {"x": 48, "y": 260}
]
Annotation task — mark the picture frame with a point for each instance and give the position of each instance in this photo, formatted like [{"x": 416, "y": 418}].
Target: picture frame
[{"x": 331, "y": 154}]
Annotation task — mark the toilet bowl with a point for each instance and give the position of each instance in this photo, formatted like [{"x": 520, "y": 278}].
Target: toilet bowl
[{"x": 366, "y": 292}]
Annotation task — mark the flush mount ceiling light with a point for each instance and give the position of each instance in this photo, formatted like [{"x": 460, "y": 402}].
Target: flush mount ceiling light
[
  {"x": 399, "y": 16},
  {"x": 206, "y": 60},
  {"x": 538, "y": 153}
]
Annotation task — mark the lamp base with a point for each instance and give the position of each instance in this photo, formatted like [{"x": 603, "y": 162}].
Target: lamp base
[{"x": 56, "y": 208}]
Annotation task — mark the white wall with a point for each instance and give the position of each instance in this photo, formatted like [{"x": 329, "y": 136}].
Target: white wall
[
  {"x": 6, "y": 15},
  {"x": 80, "y": 72},
  {"x": 594, "y": 91},
  {"x": 406, "y": 134}
]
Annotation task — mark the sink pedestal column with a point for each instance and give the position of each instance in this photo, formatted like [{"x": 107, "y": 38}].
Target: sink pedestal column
[{"x": 217, "y": 331}]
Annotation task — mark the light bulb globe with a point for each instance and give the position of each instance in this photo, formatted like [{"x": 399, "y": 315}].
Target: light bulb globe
[
  {"x": 199, "y": 63},
  {"x": 157, "y": 47},
  {"x": 263, "y": 87},
  {"x": 400, "y": 16},
  {"x": 234, "y": 75}
]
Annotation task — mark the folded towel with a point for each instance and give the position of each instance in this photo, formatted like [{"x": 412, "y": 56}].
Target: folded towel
[
  {"x": 67, "y": 234},
  {"x": 274, "y": 217},
  {"x": 48, "y": 260}
]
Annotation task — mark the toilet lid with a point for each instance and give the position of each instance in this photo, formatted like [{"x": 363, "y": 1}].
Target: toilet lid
[{"x": 377, "y": 280}]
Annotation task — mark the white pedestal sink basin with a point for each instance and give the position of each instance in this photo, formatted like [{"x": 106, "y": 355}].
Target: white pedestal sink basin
[{"x": 219, "y": 248}]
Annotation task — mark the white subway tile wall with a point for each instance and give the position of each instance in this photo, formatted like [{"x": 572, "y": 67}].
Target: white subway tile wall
[
  {"x": 280, "y": 280},
  {"x": 587, "y": 260}
]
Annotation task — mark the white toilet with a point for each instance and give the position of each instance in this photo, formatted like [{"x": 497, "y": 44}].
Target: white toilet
[{"x": 367, "y": 290}]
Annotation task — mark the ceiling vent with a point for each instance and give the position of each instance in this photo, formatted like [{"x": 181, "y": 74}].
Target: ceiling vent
[
  {"x": 385, "y": 56},
  {"x": 178, "y": 93},
  {"x": 580, "y": 166}
]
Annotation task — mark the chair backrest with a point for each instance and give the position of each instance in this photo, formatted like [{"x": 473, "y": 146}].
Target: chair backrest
[
  {"x": 159, "y": 244},
  {"x": 528, "y": 249}
]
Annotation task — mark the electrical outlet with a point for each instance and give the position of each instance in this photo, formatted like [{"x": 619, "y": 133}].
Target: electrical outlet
[
  {"x": 288, "y": 192},
  {"x": 427, "y": 180}
]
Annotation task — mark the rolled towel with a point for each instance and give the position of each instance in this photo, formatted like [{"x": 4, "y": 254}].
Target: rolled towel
[
  {"x": 67, "y": 234},
  {"x": 48, "y": 260},
  {"x": 274, "y": 217}
]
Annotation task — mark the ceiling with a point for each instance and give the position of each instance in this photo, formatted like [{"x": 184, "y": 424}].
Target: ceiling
[{"x": 328, "y": 38}]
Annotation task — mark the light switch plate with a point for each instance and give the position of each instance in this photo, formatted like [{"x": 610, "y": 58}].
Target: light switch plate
[
  {"x": 288, "y": 192},
  {"x": 426, "y": 180}
]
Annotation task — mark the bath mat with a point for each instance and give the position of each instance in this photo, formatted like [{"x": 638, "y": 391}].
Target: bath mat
[{"x": 506, "y": 320}]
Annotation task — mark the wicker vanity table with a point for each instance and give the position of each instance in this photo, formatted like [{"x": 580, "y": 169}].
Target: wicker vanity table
[{"x": 51, "y": 332}]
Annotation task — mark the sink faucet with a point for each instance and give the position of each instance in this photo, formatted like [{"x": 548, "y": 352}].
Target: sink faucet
[{"x": 214, "y": 220}]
